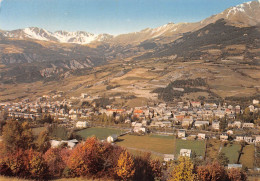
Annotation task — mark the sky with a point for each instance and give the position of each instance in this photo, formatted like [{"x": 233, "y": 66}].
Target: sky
[{"x": 105, "y": 16}]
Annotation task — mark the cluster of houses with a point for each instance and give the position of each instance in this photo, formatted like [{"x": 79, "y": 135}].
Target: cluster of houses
[{"x": 190, "y": 114}]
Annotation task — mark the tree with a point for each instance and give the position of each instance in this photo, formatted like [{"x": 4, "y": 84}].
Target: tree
[
  {"x": 212, "y": 172},
  {"x": 125, "y": 166},
  {"x": 43, "y": 142},
  {"x": 86, "y": 158},
  {"x": 236, "y": 174},
  {"x": 17, "y": 135},
  {"x": 183, "y": 171},
  {"x": 26, "y": 164},
  {"x": 56, "y": 164},
  {"x": 222, "y": 159},
  {"x": 146, "y": 168}
]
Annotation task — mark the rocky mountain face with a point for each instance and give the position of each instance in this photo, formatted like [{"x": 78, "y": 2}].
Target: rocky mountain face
[{"x": 33, "y": 54}]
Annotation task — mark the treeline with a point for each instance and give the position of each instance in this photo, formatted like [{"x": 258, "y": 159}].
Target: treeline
[{"x": 24, "y": 157}]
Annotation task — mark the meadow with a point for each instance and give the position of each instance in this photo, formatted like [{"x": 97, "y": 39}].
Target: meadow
[
  {"x": 161, "y": 144},
  {"x": 231, "y": 151},
  {"x": 100, "y": 133}
]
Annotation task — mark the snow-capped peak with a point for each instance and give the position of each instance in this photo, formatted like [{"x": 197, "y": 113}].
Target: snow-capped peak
[{"x": 78, "y": 37}]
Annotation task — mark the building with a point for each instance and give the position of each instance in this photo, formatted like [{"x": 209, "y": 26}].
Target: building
[
  {"x": 257, "y": 139},
  {"x": 215, "y": 125},
  {"x": 69, "y": 143},
  {"x": 81, "y": 124},
  {"x": 201, "y": 136},
  {"x": 138, "y": 129},
  {"x": 201, "y": 123},
  {"x": 248, "y": 125},
  {"x": 239, "y": 138},
  {"x": 248, "y": 139},
  {"x": 181, "y": 133},
  {"x": 185, "y": 152},
  {"x": 112, "y": 138},
  {"x": 237, "y": 124},
  {"x": 223, "y": 137},
  {"x": 234, "y": 166},
  {"x": 168, "y": 157},
  {"x": 255, "y": 101}
]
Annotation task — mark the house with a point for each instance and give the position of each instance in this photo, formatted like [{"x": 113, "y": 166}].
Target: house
[
  {"x": 81, "y": 124},
  {"x": 167, "y": 124},
  {"x": 138, "y": 129},
  {"x": 201, "y": 123},
  {"x": 168, "y": 157},
  {"x": 223, "y": 137},
  {"x": 237, "y": 124},
  {"x": 248, "y": 125},
  {"x": 215, "y": 125},
  {"x": 234, "y": 166},
  {"x": 112, "y": 138},
  {"x": 196, "y": 104},
  {"x": 127, "y": 120},
  {"x": 239, "y": 138},
  {"x": 185, "y": 152},
  {"x": 255, "y": 101},
  {"x": 248, "y": 139},
  {"x": 257, "y": 139},
  {"x": 201, "y": 136},
  {"x": 70, "y": 143},
  {"x": 181, "y": 133}
]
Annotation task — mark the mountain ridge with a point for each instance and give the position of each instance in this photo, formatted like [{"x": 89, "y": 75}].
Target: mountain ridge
[{"x": 245, "y": 14}]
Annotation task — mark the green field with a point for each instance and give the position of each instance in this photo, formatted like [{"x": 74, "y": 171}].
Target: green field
[
  {"x": 100, "y": 133},
  {"x": 37, "y": 131},
  {"x": 231, "y": 151},
  {"x": 196, "y": 146},
  {"x": 159, "y": 144},
  {"x": 247, "y": 158}
]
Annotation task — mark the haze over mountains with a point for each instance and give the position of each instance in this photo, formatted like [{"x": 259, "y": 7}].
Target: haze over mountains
[{"x": 229, "y": 38}]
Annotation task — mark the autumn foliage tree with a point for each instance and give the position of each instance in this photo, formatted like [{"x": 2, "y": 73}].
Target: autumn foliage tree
[
  {"x": 212, "y": 172},
  {"x": 236, "y": 174},
  {"x": 86, "y": 159},
  {"x": 26, "y": 164},
  {"x": 183, "y": 171},
  {"x": 17, "y": 135},
  {"x": 56, "y": 164},
  {"x": 146, "y": 168},
  {"x": 125, "y": 166},
  {"x": 43, "y": 142}
]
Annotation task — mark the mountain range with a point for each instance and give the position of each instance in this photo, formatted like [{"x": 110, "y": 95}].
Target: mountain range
[
  {"x": 33, "y": 54},
  {"x": 246, "y": 14}
]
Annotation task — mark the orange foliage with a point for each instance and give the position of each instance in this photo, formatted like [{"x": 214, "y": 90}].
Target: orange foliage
[
  {"x": 212, "y": 172},
  {"x": 125, "y": 166},
  {"x": 236, "y": 174},
  {"x": 86, "y": 158}
]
